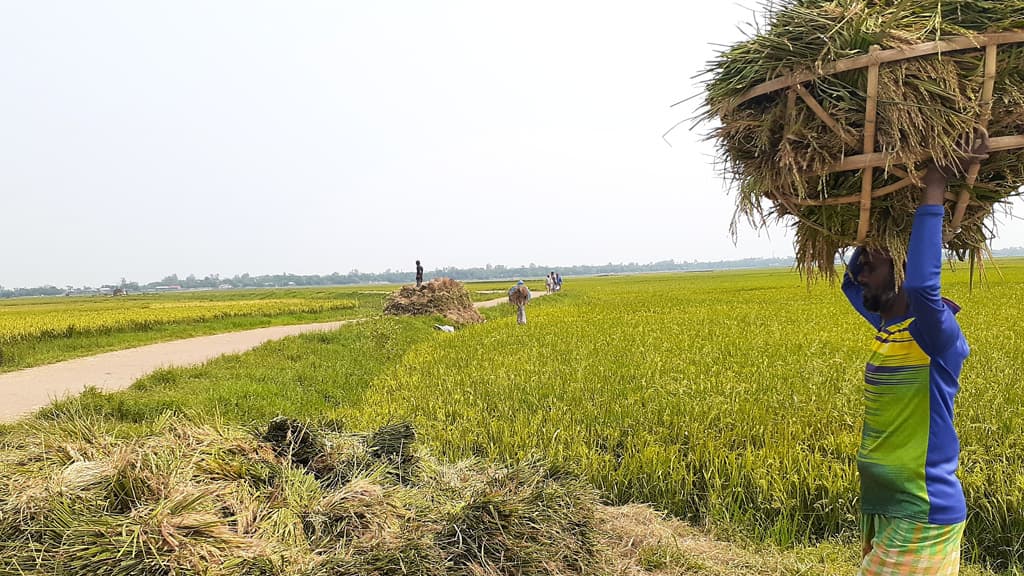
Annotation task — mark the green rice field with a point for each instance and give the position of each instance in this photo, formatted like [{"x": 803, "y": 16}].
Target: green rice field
[
  {"x": 36, "y": 331},
  {"x": 729, "y": 399}
]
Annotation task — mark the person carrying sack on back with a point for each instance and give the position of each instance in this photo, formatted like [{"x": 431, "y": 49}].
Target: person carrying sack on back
[
  {"x": 912, "y": 504},
  {"x": 518, "y": 296}
]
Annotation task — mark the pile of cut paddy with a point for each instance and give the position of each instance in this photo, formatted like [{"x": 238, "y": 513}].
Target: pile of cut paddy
[
  {"x": 289, "y": 499},
  {"x": 442, "y": 296}
]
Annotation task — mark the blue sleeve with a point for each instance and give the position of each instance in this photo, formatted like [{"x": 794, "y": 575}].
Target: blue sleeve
[
  {"x": 934, "y": 327},
  {"x": 855, "y": 292}
]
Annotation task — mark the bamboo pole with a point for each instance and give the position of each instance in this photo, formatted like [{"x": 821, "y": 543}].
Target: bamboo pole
[
  {"x": 788, "y": 201},
  {"x": 875, "y": 194},
  {"x": 870, "y": 114},
  {"x": 885, "y": 158},
  {"x": 897, "y": 171},
  {"x": 840, "y": 200},
  {"x": 824, "y": 116},
  {"x": 986, "y": 114},
  {"x": 880, "y": 57}
]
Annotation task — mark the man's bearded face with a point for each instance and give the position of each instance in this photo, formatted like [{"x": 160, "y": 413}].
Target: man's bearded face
[{"x": 878, "y": 281}]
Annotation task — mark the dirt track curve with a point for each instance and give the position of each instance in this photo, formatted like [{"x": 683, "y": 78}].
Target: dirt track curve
[{"x": 27, "y": 390}]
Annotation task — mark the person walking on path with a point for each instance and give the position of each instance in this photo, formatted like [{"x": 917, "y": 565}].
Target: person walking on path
[
  {"x": 518, "y": 296},
  {"x": 913, "y": 509},
  {"x": 419, "y": 274}
]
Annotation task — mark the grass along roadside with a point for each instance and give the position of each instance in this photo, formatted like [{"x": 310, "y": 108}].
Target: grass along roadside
[
  {"x": 36, "y": 352},
  {"x": 305, "y": 377},
  {"x": 16, "y": 354}
]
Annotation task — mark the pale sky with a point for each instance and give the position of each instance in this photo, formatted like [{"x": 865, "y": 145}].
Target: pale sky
[{"x": 141, "y": 138}]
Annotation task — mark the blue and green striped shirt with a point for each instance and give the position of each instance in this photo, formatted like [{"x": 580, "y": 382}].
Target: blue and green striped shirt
[{"x": 909, "y": 449}]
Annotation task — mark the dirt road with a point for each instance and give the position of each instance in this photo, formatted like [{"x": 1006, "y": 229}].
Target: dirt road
[{"x": 27, "y": 390}]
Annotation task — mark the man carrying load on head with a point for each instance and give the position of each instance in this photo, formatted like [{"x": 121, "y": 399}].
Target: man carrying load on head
[
  {"x": 912, "y": 505},
  {"x": 518, "y": 296}
]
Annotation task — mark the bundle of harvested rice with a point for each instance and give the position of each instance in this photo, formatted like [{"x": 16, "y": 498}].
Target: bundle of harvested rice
[
  {"x": 394, "y": 443},
  {"x": 519, "y": 295},
  {"x": 187, "y": 499},
  {"x": 293, "y": 440},
  {"x": 832, "y": 110},
  {"x": 518, "y": 519},
  {"x": 443, "y": 296}
]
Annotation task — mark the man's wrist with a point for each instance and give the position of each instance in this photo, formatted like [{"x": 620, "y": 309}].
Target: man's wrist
[
  {"x": 935, "y": 182},
  {"x": 935, "y": 175}
]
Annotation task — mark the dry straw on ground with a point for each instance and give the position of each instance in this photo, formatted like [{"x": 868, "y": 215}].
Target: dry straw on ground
[
  {"x": 294, "y": 499},
  {"x": 789, "y": 149},
  {"x": 285, "y": 499}
]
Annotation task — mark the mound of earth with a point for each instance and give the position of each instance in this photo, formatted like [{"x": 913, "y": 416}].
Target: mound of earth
[{"x": 443, "y": 296}]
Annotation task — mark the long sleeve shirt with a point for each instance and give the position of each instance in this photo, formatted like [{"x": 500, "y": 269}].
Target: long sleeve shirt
[{"x": 909, "y": 448}]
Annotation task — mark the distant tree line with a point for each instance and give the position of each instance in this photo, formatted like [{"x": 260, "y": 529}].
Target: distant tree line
[
  {"x": 38, "y": 291},
  {"x": 489, "y": 272}
]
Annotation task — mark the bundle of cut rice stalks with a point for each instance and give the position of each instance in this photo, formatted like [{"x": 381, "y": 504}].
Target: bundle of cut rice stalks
[
  {"x": 291, "y": 499},
  {"x": 832, "y": 110}
]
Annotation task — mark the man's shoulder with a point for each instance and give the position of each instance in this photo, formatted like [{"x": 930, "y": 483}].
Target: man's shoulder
[{"x": 956, "y": 342}]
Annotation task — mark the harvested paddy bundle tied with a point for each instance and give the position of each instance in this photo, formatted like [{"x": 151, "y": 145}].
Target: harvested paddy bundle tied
[
  {"x": 829, "y": 114},
  {"x": 519, "y": 295}
]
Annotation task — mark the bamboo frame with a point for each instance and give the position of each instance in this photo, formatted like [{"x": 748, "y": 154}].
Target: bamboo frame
[
  {"x": 877, "y": 193},
  {"x": 869, "y": 159},
  {"x": 878, "y": 159},
  {"x": 823, "y": 115},
  {"x": 897, "y": 171},
  {"x": 788, "y": 202},
  {"x": 892, "y": 55},
  {"x": 870, "y": 117},
  {"x": 986, "y": 114}
]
